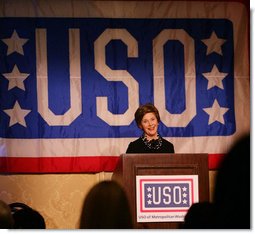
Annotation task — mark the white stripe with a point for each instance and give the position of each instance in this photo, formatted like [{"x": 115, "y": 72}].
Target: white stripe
[
  {"x": 104, "y": 146},
  {"x": 119, "y": 9}
]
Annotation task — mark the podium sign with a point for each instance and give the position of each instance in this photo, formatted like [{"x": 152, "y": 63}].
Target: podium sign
[
  {"x": 165, "y": 174},
  {"x": 165, "y": 198}
]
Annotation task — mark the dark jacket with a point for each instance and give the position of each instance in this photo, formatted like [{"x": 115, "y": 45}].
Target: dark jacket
[{"x": 138, "y": 146}]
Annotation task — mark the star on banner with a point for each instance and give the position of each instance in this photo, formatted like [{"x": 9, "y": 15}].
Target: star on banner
[
  {"x": 184, "y": 189},
  {"x": 216, "y": 113},
  {"x": 16, "y": 79},
  {"x": 215, "y": 78},
  {"x": 15, "y": 43},
  {"x": 17, "y": 115},
  {"x": 184, "y": 201},
  {"x": 214, "y": 44}
]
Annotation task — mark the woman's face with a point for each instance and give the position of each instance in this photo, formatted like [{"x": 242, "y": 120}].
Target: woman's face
[{"x": 149, "y": 125}]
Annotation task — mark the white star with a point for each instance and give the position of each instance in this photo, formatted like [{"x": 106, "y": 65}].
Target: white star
[
  {"x": 149, "y": 195},
  {"x": 215, "y": 78},
  {"x": 17, "y": 115},
  {"x": 149, "y": 189},
  {"x": 184, "y": 189},
  {"x": 15, "y": 43},
  {"x": 149, "y": 202},
  {"x": 184, "y": 194},
  {"x": 214, "y": 44},
  {"x": 216, "y": 113},
  {"x": 184, "y": 201},
  {"x": 16, "y": 79}
]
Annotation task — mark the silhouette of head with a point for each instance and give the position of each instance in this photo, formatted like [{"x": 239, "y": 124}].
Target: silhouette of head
[
  {"x": 200, "y": 215},
  {"x": 106, "y": 206},
  {"x": 232, "y": 188},
  {"x": 25, "y": 217}
]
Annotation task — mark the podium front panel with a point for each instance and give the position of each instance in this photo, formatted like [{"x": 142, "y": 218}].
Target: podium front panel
[{"x": 132, "y": 165}]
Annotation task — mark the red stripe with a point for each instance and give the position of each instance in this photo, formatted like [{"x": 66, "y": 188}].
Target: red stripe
[
  {"x": 57, "y": 164},
  {"x": 214, "y": 161},
  {"x": 73, "y": 164}
]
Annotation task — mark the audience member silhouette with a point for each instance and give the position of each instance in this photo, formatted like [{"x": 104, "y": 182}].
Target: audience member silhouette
[
  {"x": 106, "y": 207},
  {"x": 6, "y": 219},
  {"x": 25, "y": 217},
  {"x": 232, "y": 188},
  {"x": 200, "y": 215},
  {"x": 230, "y": 208}
]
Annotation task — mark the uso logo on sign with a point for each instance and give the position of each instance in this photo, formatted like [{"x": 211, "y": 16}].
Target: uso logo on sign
[{"x": 165, "y": 198}]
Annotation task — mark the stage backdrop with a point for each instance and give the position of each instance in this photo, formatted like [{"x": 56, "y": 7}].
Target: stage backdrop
[{"x": 72, "y": 74}]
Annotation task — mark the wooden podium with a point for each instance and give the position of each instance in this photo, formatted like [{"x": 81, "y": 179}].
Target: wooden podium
[{"x": 132, "y": 165}]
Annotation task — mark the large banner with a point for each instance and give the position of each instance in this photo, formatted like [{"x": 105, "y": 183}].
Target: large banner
[{"x": 73, "y": 73}]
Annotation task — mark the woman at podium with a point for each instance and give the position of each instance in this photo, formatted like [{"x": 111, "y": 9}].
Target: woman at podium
[{"x": 147, "y": 119}]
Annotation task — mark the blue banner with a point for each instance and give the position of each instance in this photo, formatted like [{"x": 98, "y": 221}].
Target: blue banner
[{"x": 22, "y": 40}]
